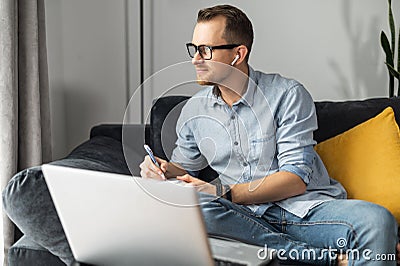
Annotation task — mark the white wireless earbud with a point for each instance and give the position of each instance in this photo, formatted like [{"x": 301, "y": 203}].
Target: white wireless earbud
[{"x": 234, "y": 60}]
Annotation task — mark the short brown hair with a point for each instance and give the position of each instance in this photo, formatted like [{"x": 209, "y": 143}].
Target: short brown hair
[{"x": 238, "y": 28}]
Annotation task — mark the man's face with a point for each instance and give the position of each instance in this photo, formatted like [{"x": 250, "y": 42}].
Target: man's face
[{"x": 210, "y": 33}]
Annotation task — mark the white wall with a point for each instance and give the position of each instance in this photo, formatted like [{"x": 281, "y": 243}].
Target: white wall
[
  {"x": 87, "y": 68},
  {"x": 330, "y": 46}
]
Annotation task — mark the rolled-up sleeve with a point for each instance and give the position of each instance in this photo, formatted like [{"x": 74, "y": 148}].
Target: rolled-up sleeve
[
  {"x": 186, "y": 152},
  {"x": 295, "y": 126}
]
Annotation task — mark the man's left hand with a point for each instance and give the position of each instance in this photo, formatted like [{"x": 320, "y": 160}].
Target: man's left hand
[{"x": 200, "y": 185}]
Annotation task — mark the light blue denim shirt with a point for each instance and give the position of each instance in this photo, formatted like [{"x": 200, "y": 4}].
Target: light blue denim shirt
[{"x": 269, "y": 129}]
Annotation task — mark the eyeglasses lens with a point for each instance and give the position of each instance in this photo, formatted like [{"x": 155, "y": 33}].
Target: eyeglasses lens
[{"x": 204, "y": 51}]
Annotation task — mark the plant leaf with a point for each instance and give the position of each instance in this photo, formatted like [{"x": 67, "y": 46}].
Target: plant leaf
[
  {"x": 398, "y": 64},
  {"x": 393, "y": 71},
  {"x": 398, "y": 55},
  {"x": 392, "y": 28},
  {"x": 386, "y": 48}
]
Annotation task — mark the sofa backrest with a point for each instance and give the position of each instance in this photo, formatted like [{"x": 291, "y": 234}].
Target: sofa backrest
[
  {"x": 164, "y": 115},
  {"x": 333, "y": 118},
  {"x": 337, "y": 117}
]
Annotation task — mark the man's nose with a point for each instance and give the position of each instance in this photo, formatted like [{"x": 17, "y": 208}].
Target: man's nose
[{"x": 197, "y": 59}]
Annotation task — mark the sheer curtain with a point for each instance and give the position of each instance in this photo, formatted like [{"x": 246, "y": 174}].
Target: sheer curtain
[{"x": 24, "y": 96}]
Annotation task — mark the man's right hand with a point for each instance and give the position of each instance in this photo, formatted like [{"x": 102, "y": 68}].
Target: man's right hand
[{"x": 150, "y": 170}]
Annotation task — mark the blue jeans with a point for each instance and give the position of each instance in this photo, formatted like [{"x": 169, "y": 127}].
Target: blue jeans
[{"x": 366, "y": 232}]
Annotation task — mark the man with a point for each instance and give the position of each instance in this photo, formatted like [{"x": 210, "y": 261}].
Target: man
[{"x": 256, "y": 131}]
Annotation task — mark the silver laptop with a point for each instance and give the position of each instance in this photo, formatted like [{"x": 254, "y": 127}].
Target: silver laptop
[{"x": 112, "y": 219}]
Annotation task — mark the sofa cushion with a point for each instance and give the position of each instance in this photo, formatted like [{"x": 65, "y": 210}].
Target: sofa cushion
[
  {"x": 28, "y": 252},
  {"x": 365, "y": 160}
]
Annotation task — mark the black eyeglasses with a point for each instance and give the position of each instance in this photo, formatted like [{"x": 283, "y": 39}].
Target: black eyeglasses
[{"x": 205, "y": 51}]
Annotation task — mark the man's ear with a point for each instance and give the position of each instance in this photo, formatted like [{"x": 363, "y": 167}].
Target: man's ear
[{"x": 242, "y": 52}]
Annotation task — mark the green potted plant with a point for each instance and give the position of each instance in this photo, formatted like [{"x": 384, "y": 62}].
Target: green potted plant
[{"x": 389, "y": 49}]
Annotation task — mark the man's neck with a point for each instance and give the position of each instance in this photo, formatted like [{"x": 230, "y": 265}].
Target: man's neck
[{"x": 236, "y": 87}]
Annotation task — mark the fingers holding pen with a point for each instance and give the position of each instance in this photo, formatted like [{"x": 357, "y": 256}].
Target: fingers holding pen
[
  {"x": 152, "y": 161},
  {"x": 161, "y": 167},
  {"x": 163, "y": 164},
  {"x": 150, "y": 170}
]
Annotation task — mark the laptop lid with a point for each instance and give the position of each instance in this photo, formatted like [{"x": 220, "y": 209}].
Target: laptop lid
[{"x": 112, "y": 219}]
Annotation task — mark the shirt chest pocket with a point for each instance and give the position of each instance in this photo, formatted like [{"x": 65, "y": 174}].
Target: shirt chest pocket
[{"x": 262, "y": 149}]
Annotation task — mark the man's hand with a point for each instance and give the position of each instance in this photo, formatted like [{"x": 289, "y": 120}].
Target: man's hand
[
  {"x": 150, "y": 170},
  {"x": 200, "y": 185}
]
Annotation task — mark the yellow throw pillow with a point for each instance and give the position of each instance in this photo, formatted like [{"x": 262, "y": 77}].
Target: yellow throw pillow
[{"x": 366, "y": 161}]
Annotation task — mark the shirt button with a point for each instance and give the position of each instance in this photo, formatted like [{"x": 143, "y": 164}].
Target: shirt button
[
  {"x": 235, "y": 143},
  {"x": 233, "y": 117},
  {"x": 244, "y": 164}
]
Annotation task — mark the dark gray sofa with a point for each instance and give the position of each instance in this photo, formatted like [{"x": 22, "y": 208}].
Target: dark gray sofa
[{"x": 103, "y": 152}]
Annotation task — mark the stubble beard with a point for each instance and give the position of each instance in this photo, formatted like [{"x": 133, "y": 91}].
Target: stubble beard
[{"x": 205, "y": 83}]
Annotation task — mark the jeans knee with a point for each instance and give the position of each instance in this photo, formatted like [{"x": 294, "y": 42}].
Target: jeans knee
[
  {"x": 22, "y": 192},
  {"x": 379, "y": 220},
  {"x": 386, "y": 220},
  {"x": 215, "y": 214},
  {"x": 209, "y": 204}
]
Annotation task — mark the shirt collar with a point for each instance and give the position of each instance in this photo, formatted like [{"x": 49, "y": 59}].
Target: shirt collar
[
  {"x": 247, "y": 98},
  {"x": 213, "y": 99}
]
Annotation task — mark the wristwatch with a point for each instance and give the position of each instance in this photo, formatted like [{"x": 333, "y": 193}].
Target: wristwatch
[{"x": 227, "y": 192}]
